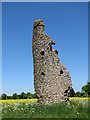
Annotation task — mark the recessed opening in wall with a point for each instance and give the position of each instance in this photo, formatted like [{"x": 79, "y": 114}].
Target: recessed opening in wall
[
  {"x": 51, "y": 47},
  {"x": 66, "y": 91},
  {"x": 56, "y": 52},
  {"x": 48, "y": 48},
  {"x": 61, "y": 72},
  {"x": 42, "y": 73},
  {"x": 42, "y": 53}
]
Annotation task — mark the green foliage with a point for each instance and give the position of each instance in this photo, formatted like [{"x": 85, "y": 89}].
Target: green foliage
[
  {"x": 14, "y": 96},
  {"x": 86, "y": 89},
  {"x": 25, "y": 96},
  {"x": 88, "y": 84},
  {"x": 22, "y": 95},
  {"x": 29, "y": 95},
  {"x": 4, "y": 96},
  {"x": 76, "y": 109},
  {"x": 19, "y": 97},
  {"x": 9, "y": 97},
  {"x": 78, "y": 94},
  {"x": 34, "y": 95}
]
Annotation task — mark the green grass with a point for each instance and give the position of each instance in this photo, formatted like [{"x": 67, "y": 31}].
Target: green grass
[{"x": 76, "y": 109}]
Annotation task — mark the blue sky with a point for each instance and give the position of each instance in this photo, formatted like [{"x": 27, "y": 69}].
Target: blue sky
[{"x": 66, "y": 24}]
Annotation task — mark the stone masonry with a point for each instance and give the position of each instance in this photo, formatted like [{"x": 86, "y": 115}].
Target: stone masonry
[{"x": 52, "y": 80}]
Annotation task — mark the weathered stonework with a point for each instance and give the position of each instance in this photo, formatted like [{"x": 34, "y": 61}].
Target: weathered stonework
[{"x": 52, "y": 80}]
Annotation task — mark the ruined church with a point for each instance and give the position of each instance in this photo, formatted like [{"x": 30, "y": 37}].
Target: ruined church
[{"x": 52, "y": 81}]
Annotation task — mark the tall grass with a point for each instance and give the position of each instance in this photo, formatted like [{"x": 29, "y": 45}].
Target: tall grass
[{"x": 76, "y": 109}]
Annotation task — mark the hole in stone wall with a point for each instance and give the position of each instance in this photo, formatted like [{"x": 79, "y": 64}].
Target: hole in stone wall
[
  {"x": 42, "y": 73},
  {"x": 56, "y": 52},
  {"x": 65, "y": 94},
  {"x": 38, "y": 23},
  {"x": 68, "y": 87},
  {"x": 51, "y": 47},
  {"x": 48, "y": 48},
  {"x": 61, "y": 72},
  {"x": 66, "y": 91},
  {"x": 42, "y": 53},
  {"x": 40, "y": 96}
]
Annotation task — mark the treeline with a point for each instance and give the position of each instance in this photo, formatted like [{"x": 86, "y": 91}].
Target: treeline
[
  {"x": 16, "y": 96},
  {"x": 84, "y": 93}
]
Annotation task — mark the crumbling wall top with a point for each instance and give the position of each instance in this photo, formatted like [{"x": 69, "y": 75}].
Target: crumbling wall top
[{"x": 39, "y": 22}]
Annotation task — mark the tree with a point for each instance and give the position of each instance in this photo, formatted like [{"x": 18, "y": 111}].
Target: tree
[
  {"x": 14, "y": 96},
  {"x": 88, "y": 84},
  {"x": 78, "y": 94},
  {"x": 29, "y": 95},
  {"x": 86, "y": 89},
  {"x": 34, "y": 95},
  {"x": 22, "y": 95},
  {"x": 9, "y": 97},
  {"x": 72, "y": 93},
  {"x": 19, "y": 97},
  {"x": 25, "y": 96},
  {"x": 3, "y": 96},
  {"x": 83, "y": 94}
]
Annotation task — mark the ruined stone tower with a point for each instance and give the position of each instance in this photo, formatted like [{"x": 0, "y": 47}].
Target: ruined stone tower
[{"x": 52, "y": 80}]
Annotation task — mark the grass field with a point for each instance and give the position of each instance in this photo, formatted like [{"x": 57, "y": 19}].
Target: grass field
[{"x": 29, "y": 108}]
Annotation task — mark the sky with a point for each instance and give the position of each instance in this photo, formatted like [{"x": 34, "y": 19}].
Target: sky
[{"x": 66, "y": 23}]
